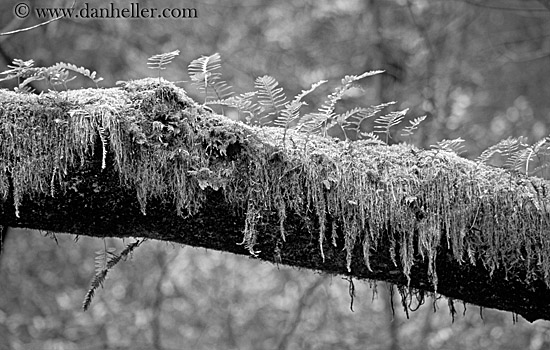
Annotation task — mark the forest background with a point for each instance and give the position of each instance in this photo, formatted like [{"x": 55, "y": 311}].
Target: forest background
[{"x": 477, "y": 69}]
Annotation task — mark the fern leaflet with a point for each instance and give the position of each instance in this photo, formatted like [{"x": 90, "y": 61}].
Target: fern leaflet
[
  {"x": 386, "y": 122},
  {"x": 160, "y": 61},
  {"x": 371, "y": 138},
  {"x": 409, "y": 130},
  {"x": 454, "y": 146},
  {"x": 323, "y": 119},
  {"x": 270, "y": 96},
  {"x": 20, "y": 69},
  {"x": 352, "y": 119},
  {"x": 291, "y": 111},
  {"x": 506, "y": 148},
  {"x": 246, "y": 108},
  {"x": 204, "y": 74},
  {"x": 539, "y": 150},
  {"x": 80, "y": 70},
  {"x": 55, "y": 75}
]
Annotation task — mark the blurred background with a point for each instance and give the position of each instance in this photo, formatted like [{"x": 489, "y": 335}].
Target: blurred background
[{"x": 478, "y": 69}]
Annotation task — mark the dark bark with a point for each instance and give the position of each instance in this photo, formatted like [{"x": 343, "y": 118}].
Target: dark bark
[{"x": 3, "y": 236}]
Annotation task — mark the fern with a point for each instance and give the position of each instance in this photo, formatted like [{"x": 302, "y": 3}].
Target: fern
[
  {"x": 454, "y": 146},
  {"x": 58, "y": 74},
  {"x": 353, "y": 119},
  {"x": 518, "y": 161},
  {"x": 386, "y": 122},
  {"x": 371, "y": 138},
  {"x": 204, "y": 74},
  {"x": 409, "y": 130},
  {"x": 323, "y": 119},
  {"x": 105, "y": 260},
  {"x": 80, "y": 70},
  {"x": 20, "y": 69},
  {"x": 506, "y": 148},
  {"x": 246, "y": 108},
  {"x": 291, "y": 111},
  {"x": 271, "y": 96},
  {"x": 160, "y": 61},
  {"x": 538, "y": 150}
]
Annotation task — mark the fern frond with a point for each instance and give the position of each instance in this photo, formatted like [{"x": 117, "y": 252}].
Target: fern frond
[
  {"x": 539, "y": 149},
  {"x": 204, "y": 74},
  {"x": 19, "y": 69},
  {"x": 324, "y": 118},
  {"x": 160, "y": 61},
  {"x": 80, "y": 70},
  {"x": 56, "y": 74},
  {"x": 304, "y": 93},
  {"x": 25, "y": 83},
  {"x": 386, "y": 122},
  {"x": 246, "y": 108},
  {"x": 204, "y": 65},
  {"x": 454, "y": 145},
  {"x": 102, "y": 258},
  {"x": 352, "y": 119},
  {"x": 105, "y": 260},
  {"x": 288, "y": 115},
  {"x": 291, "y": 110},
  {"x": 313, "y": 123},
  {"x": 243, "y": 103},
  {"x": 270, "y": 96},
  {"x": 371, "y": 138},
  {"x": 505, "y": 148},
  {"x": 409, "y": 130},
  {"x": 519, "y": 160}
]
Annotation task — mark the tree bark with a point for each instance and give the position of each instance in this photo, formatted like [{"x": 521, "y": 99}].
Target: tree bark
[{"x": 429, "y": 220}]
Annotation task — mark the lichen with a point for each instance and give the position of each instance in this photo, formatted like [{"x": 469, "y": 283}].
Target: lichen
[{"x": 165, "y": 146}]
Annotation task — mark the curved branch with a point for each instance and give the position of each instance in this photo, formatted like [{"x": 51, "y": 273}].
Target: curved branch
[
  {"x": 11, "y": 32},
  {"x": 429, "y": 220}
]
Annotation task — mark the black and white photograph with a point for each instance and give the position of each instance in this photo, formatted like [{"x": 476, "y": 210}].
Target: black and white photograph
[{"x": 286, "y": 175}]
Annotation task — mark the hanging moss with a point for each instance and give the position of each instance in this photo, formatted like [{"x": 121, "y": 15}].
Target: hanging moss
[{"x": 164, "y": 146}]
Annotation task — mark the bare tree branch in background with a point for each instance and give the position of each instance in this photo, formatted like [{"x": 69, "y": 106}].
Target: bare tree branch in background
[
  {"x": 35, "y": 26},
  {"x": 9, "y": 28},
  {"x": 295, "y": 321}
]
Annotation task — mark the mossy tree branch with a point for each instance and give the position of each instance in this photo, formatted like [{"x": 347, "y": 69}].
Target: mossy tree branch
[{"x": 144, "y": 160}]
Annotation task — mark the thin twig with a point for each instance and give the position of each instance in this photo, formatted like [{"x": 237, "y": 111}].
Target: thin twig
[{"x": 37, "y": 25}]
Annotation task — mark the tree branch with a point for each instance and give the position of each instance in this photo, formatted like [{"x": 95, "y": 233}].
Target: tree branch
[
  {"x": 11, "y": 32},
  {"x": 175, "y": 172}
]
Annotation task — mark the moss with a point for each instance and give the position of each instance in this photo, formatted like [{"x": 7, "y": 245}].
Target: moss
[{"x": 166, "y": 147}]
